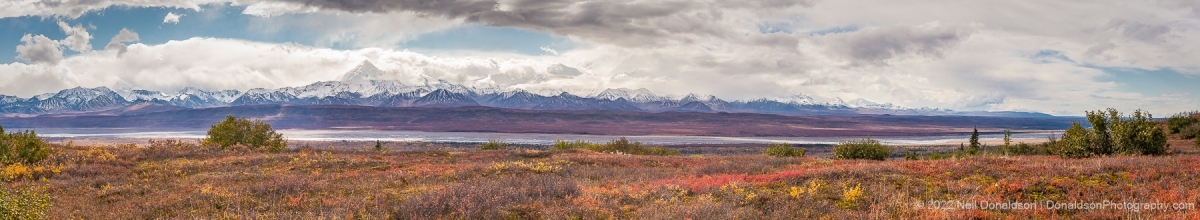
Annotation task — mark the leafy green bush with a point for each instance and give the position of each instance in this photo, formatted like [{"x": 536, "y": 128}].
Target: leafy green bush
[
  {"x": 784, "y": 150},
  {"x": 254, "y": 134},
  {"x": 23, "y": 203},
  {"x": 1075, "y": 143},
  {"x": 622, "y": 146},
  {"x": 1026, "y": 149},
  {"x": 493, "y": 145},
  {"x": 1176, "y": 123},
  {"x": 861, "y": 149},
  {"x": 561, "y": 144},
  {"x": 1113, "y": 133},
  {"x": 1189, "y": 132},
  {"x": 22, "y": 147}
]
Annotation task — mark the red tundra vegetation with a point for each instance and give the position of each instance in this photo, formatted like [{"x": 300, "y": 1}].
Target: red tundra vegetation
[{"x": 173, "y": 179}]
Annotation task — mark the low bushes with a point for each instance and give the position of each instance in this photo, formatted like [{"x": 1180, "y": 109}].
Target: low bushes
[
  {"x": 254, "y": 134},
  {"x": 861, "y": 149},
  {"x": 22, "y": 147},
  {"x": 619, "y": 146},
  {"x": 493, "y": 145},
  {"x": 508, "y": 198},
  {"x": 784, "y": 150},
  {"x": 1178, "y": 122},
  {"x": 23, "y": 203}
]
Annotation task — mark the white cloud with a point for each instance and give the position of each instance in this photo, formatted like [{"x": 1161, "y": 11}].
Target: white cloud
[
  {"x": 74, "y": 9},
  {"x": 39, "y": 49},
  {"x": 271, "y": 9},
  {"x": 549, "y": 50},
  {"x": 117, "y": 42},
  {"x": 171, "y": 18},
  {"x": 78, "y": 39}
]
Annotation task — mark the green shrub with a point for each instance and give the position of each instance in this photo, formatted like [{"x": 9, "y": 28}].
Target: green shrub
[
  {"x": 22, "y": 147},
  {"x": 1197, "y": 143},
  {"x": 784, "y": 150},
  {"x": 1076, "y": 143},
  {"x": 1113, "y": 133},
  {"x": 561, "y": 144},
  {"x": 24, "y": 203},
  {"x": 861, "y": 149},
  {"x": 1176, "y": 123},
  {"x": 493, "y": 145},
  {"x": 1191, "y": 131},
  {"x": 254, "y": 134},
  {"x": 623, "y": 145},
  {"x": 1025, "y": 149},
  {"x": 937, "y": 156}
]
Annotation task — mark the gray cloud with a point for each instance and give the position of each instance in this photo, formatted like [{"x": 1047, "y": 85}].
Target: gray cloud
[
  {"x": 629, "y": 23},
  {"x": 78, "y": 38},
  {"x": 878, "y": 45},
  {"x": 39, "y": 49},
  {"x": 117, "y": 42},
  {"x": 1140, "y": 31}
]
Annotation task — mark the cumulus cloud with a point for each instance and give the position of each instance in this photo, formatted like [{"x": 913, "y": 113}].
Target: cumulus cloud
[
  {"x": 39, "y": 49},
  {"x": 117, "y": 42},
  {"x": 171, "y": 18},
  {"x": 78, "y": 39},
  {"x": 234, "y": 64}
]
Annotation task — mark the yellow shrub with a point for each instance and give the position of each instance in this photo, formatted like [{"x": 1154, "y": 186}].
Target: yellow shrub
[
  {"x": 851, "y": 197},
  {"x": 795, "y": 192},
  {"x": 16, "y": 170},
  {"x": 101, "y": 154},
  {"x": 816, "y": 186}
]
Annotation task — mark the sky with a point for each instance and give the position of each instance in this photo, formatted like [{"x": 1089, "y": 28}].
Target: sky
[{"x": 1057, "y": 57}]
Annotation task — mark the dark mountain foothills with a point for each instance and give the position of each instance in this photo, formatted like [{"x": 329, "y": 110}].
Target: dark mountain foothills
[{"x": 601, "y": 122}]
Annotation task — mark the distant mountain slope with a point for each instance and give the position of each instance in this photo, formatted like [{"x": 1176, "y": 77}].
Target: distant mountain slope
[
  {"x": 607, "y": 122},
  {"x": 367, "y": 85}
]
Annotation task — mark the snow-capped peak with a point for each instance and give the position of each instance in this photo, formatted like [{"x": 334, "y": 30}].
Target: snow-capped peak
[
  {"x": 614, "y": 94},
  {"x": 365, "y": 71}
]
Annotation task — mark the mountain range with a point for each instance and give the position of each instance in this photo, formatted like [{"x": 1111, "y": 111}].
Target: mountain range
[{"x": 366, "y": 85}]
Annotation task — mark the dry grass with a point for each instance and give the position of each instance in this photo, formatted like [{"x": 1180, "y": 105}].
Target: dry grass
[{"x": 177, "y": 180}]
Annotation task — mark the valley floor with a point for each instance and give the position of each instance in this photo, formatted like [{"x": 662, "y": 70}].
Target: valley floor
[{"x": 175, "y": 180}]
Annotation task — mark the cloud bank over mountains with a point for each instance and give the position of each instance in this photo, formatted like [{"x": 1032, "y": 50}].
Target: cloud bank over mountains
[{"x": 1056, "y": 57}]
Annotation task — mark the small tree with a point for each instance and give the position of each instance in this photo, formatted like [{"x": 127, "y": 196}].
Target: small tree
[
  {"x": 974, "y": 148},
  {"x": 255, "y": 134},
  {"x": 1007, "y": 141},
  {"x": 378, "y": 146}
]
